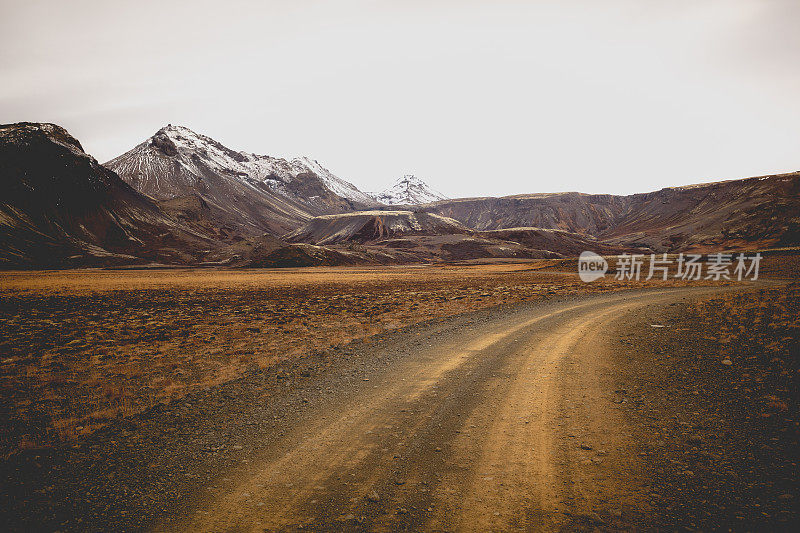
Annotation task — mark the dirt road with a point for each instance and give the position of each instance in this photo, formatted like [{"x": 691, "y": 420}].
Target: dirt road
[{"x": 500, "y": 425}]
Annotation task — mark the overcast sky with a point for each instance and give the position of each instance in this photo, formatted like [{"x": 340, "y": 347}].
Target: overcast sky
[{"x": 478, "y": 98}]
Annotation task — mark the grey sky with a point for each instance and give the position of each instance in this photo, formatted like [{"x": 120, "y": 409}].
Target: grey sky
[{"x": 478, "y": 98}]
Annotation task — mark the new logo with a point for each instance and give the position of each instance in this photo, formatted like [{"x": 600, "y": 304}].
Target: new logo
[{"x": 591, "y": 266}]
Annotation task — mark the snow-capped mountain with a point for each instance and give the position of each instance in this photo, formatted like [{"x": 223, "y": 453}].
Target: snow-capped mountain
[
  {"x": 409, "y": 190},
  {"x": 268, "y": 193}
]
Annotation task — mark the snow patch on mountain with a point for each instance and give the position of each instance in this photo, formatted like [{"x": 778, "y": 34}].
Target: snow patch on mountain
[
  {"x": 176, "y": 157},
  {"x": 409, "y": 190},
  {"x": 339, "y": 186}
]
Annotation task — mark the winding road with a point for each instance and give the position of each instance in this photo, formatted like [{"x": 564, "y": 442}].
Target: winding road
[{"x": 503, "y": 424}]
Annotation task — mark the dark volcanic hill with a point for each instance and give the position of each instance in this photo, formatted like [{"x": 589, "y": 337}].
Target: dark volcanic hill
[
  {"x": 254, "y": 193},
  {"x": 60, "y": 207},
  {"x": 571, "y": 211},
  {"x": 749, "y": 213}
]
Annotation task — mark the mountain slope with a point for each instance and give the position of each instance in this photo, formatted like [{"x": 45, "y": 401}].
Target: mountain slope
[
  {"x": 571, "y": 211},
  {"x": 408, "y": 190},
  {"x": 365, "y": 226},
  {"x": 427, "y": 237},
  {"x": 565, "y": 243},
  {"x": 747, "y": 213},
  {"x": 59, "y": 207},
  {"x": 750, "y": 213},
  {"x": 337, "y": 185},
  {"x": 253, "y": 192}
]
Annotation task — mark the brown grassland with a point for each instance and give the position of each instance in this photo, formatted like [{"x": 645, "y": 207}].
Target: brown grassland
[{"x": 81, "y": 348}]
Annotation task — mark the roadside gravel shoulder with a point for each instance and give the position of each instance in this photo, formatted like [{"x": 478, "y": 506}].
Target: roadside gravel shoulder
[{"x": 714, "y": 384}]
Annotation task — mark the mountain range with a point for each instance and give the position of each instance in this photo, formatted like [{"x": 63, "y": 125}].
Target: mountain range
[{"x": 183, "y": 198}]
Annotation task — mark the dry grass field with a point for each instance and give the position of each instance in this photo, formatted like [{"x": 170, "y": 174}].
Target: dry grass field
[{"x": 80, "y": 348}]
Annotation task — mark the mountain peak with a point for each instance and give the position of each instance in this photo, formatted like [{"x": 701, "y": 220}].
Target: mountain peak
[
  {"x": 178, "y": 129},
  {"x": 171, "y": 139},
  {"x": 53, "y": 132},
  {"x": 409, "y": 190},
  {"x": 177, "y": 161}
]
